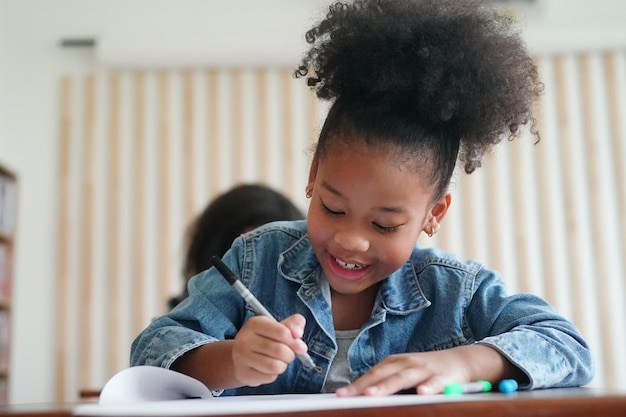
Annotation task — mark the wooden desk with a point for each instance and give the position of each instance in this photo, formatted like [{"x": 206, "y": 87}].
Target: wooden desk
[{"x": 570, "y": 402}]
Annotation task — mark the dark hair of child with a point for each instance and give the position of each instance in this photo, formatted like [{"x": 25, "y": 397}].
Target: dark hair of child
[
  {"x": 232, "y": 213},
  {"x": 414, "y": 74}
]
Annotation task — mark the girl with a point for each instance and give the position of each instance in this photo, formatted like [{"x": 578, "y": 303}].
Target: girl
[{"x": 415, "y": 86}]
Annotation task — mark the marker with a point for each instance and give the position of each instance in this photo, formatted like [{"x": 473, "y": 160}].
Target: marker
[
  {"x": 253, "y": 303},
  {"x": 469, "y": 388},
  {"x": 508, "y": 386}
]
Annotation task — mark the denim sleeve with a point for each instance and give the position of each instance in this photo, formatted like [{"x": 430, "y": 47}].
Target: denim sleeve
[
  {"x": 213, "y": 311},
  {"x": 163, "y": 342},
  {"x": 529, "y": 333}
]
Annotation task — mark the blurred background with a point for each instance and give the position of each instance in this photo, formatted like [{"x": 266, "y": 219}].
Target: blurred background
[{"x": 120, "y": 120}]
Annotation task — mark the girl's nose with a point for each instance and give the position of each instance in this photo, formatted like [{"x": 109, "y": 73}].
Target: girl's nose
[{"x": 351, "y": 241}]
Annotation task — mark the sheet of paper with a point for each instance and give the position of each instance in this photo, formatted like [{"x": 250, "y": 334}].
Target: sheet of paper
[
  {"x": 140, "y": 384},
  {"x": 152, "y": 391},
  {"x": 260, "y": 403}
]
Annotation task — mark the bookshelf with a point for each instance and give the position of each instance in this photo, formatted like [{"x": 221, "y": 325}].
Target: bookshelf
[{"x": 8, "y": 209}]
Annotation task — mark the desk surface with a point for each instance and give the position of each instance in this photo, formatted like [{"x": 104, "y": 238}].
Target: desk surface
[{"x": 570, "y": 402}]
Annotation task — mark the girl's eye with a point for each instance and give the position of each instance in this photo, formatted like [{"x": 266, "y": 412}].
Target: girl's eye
[
  {"x": 331, "y": 212},
  {"x": 385, "y": 229}
]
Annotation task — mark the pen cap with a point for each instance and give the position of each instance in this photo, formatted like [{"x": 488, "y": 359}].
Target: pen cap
[
  {"x": 472, "y": 387},
  {"x": 453, "y": 389},
  {"x": 508, "y": 386},
  {"x": 224, "y": 270}
]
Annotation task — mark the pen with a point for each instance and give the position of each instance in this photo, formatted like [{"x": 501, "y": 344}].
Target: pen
[
  {"x": 253, "y": 302},
  {"x": 469, "y": 388}
]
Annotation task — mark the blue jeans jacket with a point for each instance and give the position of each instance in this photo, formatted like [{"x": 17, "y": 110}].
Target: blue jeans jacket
[{"x": 435, "y": 301}]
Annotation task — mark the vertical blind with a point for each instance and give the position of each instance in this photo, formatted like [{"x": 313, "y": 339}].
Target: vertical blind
[{"x": 143, "y": 152}]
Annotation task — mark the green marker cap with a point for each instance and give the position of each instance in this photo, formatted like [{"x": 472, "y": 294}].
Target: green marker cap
[
  {"x": 453, "y": 389},
  {"x": 473, "y": 387}
]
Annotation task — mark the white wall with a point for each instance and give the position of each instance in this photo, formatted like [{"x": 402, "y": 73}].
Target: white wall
[{"x": 30, "y": 65}]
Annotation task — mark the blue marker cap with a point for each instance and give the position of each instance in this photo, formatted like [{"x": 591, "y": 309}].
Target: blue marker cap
[{"x": 508, "y": 386}]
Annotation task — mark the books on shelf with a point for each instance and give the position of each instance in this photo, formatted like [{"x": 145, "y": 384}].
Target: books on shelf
[
  {"x": 8, "y": 216},
  {"x": 8, "y": 202},
  {"x": 5, "y": 341},
  {"x": 6, "y": 268}
]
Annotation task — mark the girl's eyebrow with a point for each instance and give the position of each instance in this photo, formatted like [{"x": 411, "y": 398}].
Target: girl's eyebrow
[
  {"x": 330, "y": 188},
  {"x": 398, "y": 210}
]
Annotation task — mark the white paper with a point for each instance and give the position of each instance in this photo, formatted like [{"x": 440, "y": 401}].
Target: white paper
[
  {"x": 140, "y": 384},
  {"x": 152, "y": 391},
  {"x": 262, "y": 403}
]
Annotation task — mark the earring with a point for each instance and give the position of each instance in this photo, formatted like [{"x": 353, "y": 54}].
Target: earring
[
  {"x": 432, "y": 232},
  {"x": 309, "y": 193}
]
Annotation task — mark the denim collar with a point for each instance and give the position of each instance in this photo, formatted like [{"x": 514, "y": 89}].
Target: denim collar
[{"x": 400, "y": 293}]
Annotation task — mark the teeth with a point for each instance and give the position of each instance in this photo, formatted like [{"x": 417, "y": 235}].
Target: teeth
[{"x": 349, "y": 266}]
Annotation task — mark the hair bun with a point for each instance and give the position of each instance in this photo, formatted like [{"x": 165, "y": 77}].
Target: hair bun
[{"x": 449, "y": 63}]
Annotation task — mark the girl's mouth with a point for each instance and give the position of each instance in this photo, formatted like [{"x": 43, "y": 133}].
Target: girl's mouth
[
  {"x": 349, "y": 266},
  {"x": 346, "y": 270}
]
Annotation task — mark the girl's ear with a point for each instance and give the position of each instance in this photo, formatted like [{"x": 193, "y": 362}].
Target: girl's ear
[
  {"x": 312, "y": 176},
  {"x": 437, "y": 214}
]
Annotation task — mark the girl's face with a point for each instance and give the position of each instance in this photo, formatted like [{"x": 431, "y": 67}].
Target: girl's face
[{"x": 367, "y": 211}]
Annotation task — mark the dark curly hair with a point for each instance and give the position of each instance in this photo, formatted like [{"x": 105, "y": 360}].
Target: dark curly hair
[
  {"x": 441, "y": 79},
  {"x": 240, "y": 209}
]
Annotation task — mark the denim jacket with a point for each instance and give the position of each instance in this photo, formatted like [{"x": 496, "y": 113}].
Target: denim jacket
[{"x": 434, "y": 301}]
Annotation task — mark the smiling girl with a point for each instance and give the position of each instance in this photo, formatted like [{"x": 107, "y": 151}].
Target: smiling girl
[{"x": 416, "y": 88}]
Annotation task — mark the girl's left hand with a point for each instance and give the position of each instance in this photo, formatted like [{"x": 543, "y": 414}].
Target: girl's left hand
[{"x": 429, "y": 372}]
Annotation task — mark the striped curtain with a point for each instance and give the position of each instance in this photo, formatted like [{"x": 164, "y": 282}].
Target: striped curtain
[{"x": 143, "y": 152}]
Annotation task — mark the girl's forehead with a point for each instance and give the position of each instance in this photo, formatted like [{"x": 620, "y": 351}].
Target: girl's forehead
[
  {"x": 372, "y": 177},
  {"x": 375, "y": 162},
  {"x": 381, "y": 152}
]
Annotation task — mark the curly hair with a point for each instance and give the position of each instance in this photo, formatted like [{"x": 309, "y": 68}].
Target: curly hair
[
  {"x": 443, "y": 79},
  {"x": 230, "y": 214}
]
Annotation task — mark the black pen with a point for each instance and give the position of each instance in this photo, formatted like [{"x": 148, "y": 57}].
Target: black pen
[{"x": 253, "y": 302}]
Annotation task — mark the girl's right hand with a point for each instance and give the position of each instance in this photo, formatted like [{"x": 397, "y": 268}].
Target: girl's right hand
[{"x": 263, "y": 348}]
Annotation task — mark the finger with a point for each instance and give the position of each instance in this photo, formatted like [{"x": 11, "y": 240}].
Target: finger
[
  {"x": 432, "y": 385},
  {"x": 269, "y": 365},
  {"x": 268, "y": 329},
  {"x": 265, "y": 336},
  {"x": 262, "y": 362},
  {"x": 406, "y": 379},
  {"x": 251, "y": 376},
  {"x": 272, "y": 347},
  {"x": 399, "y": 381},
  {"x": 385, "y": 379},
  {"x": 368, "y": 381},
  {"x": 295, "y": 324}
]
